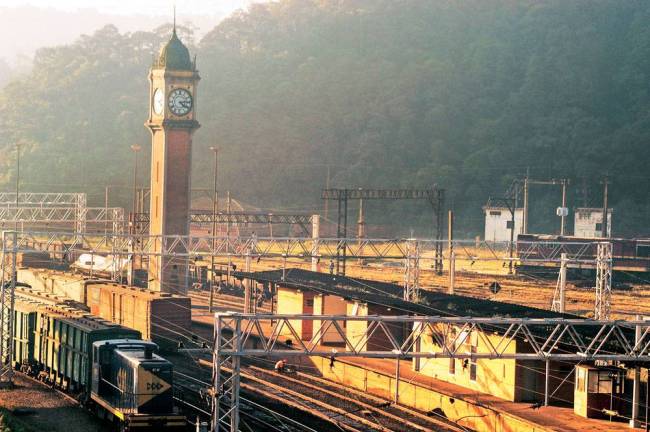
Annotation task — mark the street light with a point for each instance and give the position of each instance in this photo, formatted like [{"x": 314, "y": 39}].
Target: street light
[
  {"x": 17, "y": 182},
  {"x": 136, "y": 148},
  {"x": 131, "y": 266},
  {"x": 214, "y": 226}
]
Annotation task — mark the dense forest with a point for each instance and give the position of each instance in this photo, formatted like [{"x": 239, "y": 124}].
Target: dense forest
[{"x": 468, "y": 95}]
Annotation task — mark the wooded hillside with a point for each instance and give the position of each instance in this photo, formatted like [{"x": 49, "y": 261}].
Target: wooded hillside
[{"x": 467, "y": 95}]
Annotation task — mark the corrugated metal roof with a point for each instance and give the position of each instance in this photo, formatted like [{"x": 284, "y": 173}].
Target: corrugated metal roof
[{"x": 390, "y": 294}]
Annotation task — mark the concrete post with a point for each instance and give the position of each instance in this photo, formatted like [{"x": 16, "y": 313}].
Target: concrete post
[
  {"x": 397, "y": 381},
  {"x": 315, "y": 235},
  {"x": 563, "y": 265},
  {"x": 452, "y": 254},
  {"x": 636, "y": 389},
  {"x": 247, "y": 285},
  {"x": 452, "y": 272},
  {"x": 547, "y": 382}
]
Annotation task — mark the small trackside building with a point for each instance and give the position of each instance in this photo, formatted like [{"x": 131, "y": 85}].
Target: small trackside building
[{"x": 304, "y": 292}]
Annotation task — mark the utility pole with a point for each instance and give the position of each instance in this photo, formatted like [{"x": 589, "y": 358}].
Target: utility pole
[
  {"x": 604, "y": 222},
  {"x": 525, "y": 218},
  {"x": 214, "y": 227},
  {"x": 228, "y": 212},
  {"x": 361, "y": 223},
  {"x": 563, "y": 217},
  {"x": 452, "y": 254},
  {"x": 327, "y": 186},
  {"x": 17, "y": 182},
  {"x": 136, "y": 148}
]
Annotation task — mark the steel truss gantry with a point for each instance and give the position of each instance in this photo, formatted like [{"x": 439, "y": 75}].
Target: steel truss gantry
[
  {"x": 47, "y": 199},
  {"x": 292, "y": 247},
  {"x": 435, "y": 196},
  {"x": 79, "y": 217},
  {"x": 544, "y": 339},
  {"x": 205, "y": 217},
  {"x": 42, "y": 208}
]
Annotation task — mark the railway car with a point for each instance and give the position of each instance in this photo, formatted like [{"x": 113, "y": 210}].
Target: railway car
[
  {"x": 629, "y": 256},
  {"x": 158, "y": 316},
  {"x": 105, "y": 365}
]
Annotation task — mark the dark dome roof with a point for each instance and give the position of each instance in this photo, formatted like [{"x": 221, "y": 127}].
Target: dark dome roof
[{"x": 174, "y": 55}]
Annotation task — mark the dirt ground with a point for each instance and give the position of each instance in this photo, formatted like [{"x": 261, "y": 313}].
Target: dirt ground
[
  {"x": 47, "y": 410},
  {"x": 517, "y": 289}
]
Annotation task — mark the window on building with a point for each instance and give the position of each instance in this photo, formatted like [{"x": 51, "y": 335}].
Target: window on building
[
  {"x": 495, "y": 213},
  {"x": 601, "y": 381},
  {"x": 309, "y": 302},
  {"x": 472, "y": 365},
  {"x": 509, "y": 224},
  {"x": 599, "y": 226}
]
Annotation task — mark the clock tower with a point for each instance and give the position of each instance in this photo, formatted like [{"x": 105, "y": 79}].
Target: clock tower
[{"x": 172, "y": 120}]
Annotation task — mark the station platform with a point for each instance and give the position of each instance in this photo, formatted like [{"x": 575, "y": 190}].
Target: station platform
[
  {"x": 545, "y": 418},
  {"x": 471, "y": 409}
]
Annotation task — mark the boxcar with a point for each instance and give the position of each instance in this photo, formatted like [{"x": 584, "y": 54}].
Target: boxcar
[
  {"x": 159, "y": 317},
  {"x": 63, "y": 344},
  {"x": 25, "y": 312}
]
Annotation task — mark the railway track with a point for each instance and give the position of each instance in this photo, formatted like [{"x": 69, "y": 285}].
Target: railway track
[
  {"x": 338, "y": 406},
  {"x": 225, "y": 301}
]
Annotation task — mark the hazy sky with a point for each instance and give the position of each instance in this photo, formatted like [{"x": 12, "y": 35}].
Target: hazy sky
[
  {"x": 26, "y": 25},
  {"x": 129, "y": 7}
]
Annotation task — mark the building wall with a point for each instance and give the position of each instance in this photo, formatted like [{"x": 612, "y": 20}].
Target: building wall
[
  {"x": 330, "y": 305},
  {"x": 356, "y": 329},
  {"x": 513, "y": 380},
  {"x": 587, "y": 223},
  {"x": 495, "y": 377},
  {"x": 496, "y": 223},
  {"x": 290, "y": 302}
]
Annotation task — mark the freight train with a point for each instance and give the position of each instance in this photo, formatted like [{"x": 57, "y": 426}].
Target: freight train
[
  {"x": 106, "y": 366},
  {"x": 630, "y": 257}
]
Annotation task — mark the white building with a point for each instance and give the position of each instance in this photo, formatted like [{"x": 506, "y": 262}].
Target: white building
[
  {"x": 588, "y": 222},
  {"x": 498, "y": 221}
]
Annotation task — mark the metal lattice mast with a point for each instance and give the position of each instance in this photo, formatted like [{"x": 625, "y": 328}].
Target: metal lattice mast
[
  {"x": 559, "y": 297},
  {"x": 603, "y": 304},
  {"x": 8, "y": 270},
  {"x": 412, "y": 271},
  {"x": 225, "y": 391}
]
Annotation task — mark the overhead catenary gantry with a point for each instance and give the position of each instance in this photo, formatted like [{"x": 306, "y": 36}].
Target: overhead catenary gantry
[
  {"x": 206, "y": 218},
  {"x": 543, "y": 339},
  {"x": 53, "y": 208},
  {"x": 67, "y": 244},
  {"x": 435, "y": 196}
]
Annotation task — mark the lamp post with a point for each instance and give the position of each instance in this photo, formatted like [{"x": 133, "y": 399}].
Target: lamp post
[
  {"x": 17, "y": 182},
  {"x": 131, "y": 262},
  {"x": 136, "y": 148},
  {"x": 214, "y": 226}
]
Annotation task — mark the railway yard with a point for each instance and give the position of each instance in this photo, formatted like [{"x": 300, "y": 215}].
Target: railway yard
[
  {"x": 174, "y": 315},
  {"x": 271, "y": 400}
]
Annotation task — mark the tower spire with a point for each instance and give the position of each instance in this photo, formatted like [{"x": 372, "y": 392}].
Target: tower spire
[{"x": 174, "y": 18}]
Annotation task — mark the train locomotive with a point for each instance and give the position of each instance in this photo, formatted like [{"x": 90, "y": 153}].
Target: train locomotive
[{"x": 106, "y": 366}]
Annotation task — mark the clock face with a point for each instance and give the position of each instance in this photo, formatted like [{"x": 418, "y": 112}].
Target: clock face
[
  {"x": 158, "y": 101},
  {"x": 180, "y": 101}
]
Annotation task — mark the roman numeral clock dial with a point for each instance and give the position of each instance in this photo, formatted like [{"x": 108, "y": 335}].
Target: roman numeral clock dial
[{"x": 180, "y": 102}]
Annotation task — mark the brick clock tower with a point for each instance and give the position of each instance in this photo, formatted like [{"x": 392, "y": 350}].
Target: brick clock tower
[{"x": 172, "y": 120}]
